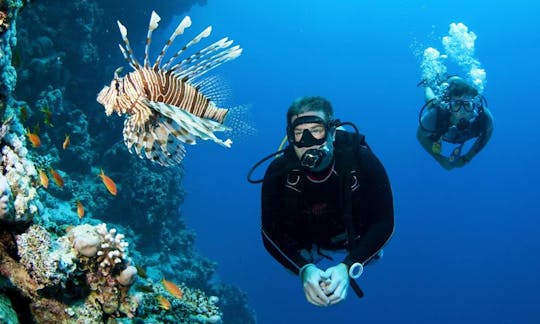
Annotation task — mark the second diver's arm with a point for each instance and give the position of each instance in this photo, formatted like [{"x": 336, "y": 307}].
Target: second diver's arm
[
  {"x": 482, "y": 140},
  {"x": 427, "y": 143}
]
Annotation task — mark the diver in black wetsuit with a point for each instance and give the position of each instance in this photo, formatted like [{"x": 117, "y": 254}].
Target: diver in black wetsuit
[
  {"x": 326, "y": 192},
  {"x": 457, "y": 116}
]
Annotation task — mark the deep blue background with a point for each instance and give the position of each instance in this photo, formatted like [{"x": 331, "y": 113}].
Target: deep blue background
[{"x": 466, "y": 241}]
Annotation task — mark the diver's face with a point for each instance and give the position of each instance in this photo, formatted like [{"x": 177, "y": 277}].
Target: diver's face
[
  {"x": 461, "y": 107},
  {"x": 317, "y": 130}
]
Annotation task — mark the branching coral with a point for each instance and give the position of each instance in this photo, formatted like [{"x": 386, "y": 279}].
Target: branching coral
[
  {"x": 20, "y": 174},
  {"x": 112, "y": 250}
]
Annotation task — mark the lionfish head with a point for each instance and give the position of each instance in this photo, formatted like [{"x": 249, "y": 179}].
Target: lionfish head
[{"x": 109, "y": 94}]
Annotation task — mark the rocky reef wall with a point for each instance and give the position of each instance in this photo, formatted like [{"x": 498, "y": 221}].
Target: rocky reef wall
[{"x": 70, "y": 251}]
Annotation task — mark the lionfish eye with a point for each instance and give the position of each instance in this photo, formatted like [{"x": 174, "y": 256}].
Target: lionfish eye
[{"x": 117, "y": 85}]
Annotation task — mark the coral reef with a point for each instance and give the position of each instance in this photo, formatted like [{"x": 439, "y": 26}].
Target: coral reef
[
  {"x": 4, "y": 196},
  {"x": 57, "y": 266},
  {"x": 19, "y": 173}
]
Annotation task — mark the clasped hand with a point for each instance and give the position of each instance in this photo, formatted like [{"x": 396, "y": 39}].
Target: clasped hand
[{"x": 324, "y": 288}]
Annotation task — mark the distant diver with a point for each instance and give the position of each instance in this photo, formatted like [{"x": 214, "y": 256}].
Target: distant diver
[
  {"x": 455, "y": 112},
  {"x": 164, "y": 104},
  {"x": 460, "y": 115}
]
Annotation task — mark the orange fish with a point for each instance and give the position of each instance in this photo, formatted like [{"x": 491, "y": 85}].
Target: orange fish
[
  {"x": 164, "y": 302},
  {"x": 57, "y": 178},
  {"x": 80, "y": 209},
  {"x": 33, "y": 138},
  {"x": 108, "y": 182},
  {"x": 43, "y": 178},
  {"x": 172, "y": 288},
  {"x": 66, "y": 142}
]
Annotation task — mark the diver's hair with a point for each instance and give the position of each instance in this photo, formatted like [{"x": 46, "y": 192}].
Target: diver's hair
[
  {"x": 457, "y": 87},
  {"x": 305, "y": 104}
]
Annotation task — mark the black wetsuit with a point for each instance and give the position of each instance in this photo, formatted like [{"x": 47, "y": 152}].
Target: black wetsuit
[
  {"x": 299, "y": 214},
  {"x": 443, "y": 130}
]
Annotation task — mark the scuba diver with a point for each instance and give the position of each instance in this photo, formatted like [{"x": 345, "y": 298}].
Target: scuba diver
[
  {"x": 325, "y": 193},
  {"x": 455, "y": 117}
]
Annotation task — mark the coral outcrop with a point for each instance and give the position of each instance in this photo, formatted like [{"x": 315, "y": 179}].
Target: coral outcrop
[{"x": 60, "y": 267}]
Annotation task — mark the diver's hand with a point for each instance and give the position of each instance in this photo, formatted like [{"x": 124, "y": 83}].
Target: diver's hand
[
  {"x": 312, "y": 277},
  {"x": 339, "y": 283}
]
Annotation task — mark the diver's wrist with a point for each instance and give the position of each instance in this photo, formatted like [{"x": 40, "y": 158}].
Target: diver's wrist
[{"x": 301, "y": 271}]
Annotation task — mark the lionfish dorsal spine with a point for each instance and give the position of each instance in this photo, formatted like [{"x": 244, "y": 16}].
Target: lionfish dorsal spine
[
  {"x": 128, "y": 52},
  {"x": 209, "y": 64},
  {"x": 220, "y": 44},
  {"x": 205, "y": 33},
  {"x": 154, "y": 21},
  {"x": 185, "y": 23}
]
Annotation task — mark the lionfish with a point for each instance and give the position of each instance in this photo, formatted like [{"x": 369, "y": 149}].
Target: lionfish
[{"x": 164, "y": 104}]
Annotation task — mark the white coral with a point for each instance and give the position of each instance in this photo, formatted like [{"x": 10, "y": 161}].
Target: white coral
[
  {"x": 113, "y": 248},
  {"x": 86, "y": 240},
  {"x": 4, "y": 197},
  {"x": 19, "y": 173}
]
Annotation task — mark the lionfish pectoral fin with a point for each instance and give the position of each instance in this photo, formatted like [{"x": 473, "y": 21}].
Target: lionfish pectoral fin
[
  {"x": 154, "y": 142},
  {"x": 188, "y": 124}
]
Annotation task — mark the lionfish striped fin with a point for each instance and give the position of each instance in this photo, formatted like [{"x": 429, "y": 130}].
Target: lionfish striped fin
[
  {"x": 209, "y": 64},
  {"x": 215, "y": 88},
  {"x": 126, "y": 57},
  {"x": 220, "y": 44},
  {"x": 153, "y": 142},
  {"x": 205, "y": 33},
  {"x": 186, "y": 123},
  {"x": 154, "y": 20},
  {"x": 129, "y": 55},
  {"x": 185, "y": 23}
]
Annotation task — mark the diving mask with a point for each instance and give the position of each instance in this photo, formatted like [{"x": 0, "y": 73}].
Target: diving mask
[
  {"x": 467, "y": 105},
  {"x": 308, "y": 137}
]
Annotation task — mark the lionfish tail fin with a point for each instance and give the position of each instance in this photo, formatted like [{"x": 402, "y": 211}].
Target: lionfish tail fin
[
  {"x": 241, "y": 125},
  {"x": 187, "y": 127}
]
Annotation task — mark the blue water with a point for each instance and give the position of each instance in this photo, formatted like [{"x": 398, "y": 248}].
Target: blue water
[{"x": 465, "y": 245}]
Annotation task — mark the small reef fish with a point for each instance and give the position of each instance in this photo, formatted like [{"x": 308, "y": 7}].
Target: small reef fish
[
  {"x": 164, "y": 302},
  {"x": 80, "y": 209},
  {"x": 166, "y": 104},
  {"x": 24, "y": 113},
  {"x": 141, "y": 272},
  {"x": 48, "y": 116},
  {"x": 108, "y": 182},
  {"x": 66, "y": 142},
  {"x": 57, "y": 178},
  {"x": 43, "y": 179},
  {"x": 172, "y": 288},
  {"x": 33, "y": 138}
]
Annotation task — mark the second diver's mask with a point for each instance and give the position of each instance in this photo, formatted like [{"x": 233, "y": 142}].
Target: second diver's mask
[
  {"x": 466, "y": 111},
  {"x": 317, "y": 158}
]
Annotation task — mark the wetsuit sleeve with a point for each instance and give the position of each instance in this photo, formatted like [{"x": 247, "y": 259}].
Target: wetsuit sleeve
[
  {"x": 373, "y": 210},
  {"x": 275, "y": 234},
  {"x": 484, "y": 137}
]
